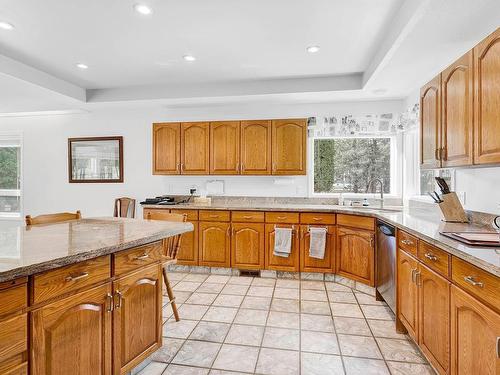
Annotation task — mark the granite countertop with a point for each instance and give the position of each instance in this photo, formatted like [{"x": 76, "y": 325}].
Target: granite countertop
[
  {"x": 25, "y": 251},
  {"x": 421, "y": 223}
]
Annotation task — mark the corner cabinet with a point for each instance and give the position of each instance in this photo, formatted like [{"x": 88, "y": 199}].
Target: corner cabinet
[
  {"x": 167, "y": 148},
  {"x": 289, "y": 140},
  {"x": 430, "y": 124}
]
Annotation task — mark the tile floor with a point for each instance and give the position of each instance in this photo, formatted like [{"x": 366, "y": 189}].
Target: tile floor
[{"x": 244, "y": 325}]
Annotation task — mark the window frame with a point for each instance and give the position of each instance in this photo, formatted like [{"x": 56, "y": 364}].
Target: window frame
[
  {"x": 396, "y": 168},
  {"x": 18, "y": 141}
]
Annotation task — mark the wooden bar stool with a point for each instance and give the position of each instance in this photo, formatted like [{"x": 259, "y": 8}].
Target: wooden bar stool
[
  {"x": 124, "y": 207},
  {"x": 172, "y": 246},
  {"x": 52, "y": 218}
]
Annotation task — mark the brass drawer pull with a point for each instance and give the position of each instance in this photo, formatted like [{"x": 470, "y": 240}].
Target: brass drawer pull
[
  {"x": 418, "y": 278},
  {"x": 281, "y": 217},
  {"x": 317, "y": 218},
  {"x": 413, "y": 275},
  {"x": 76, "y": 278},
  {"x": 247, "y": 217},
  {"x": 407, "y": 242},
  {"x": 470, "y": 280},
  {"x": 431, "y": 256},
  {"x": 142, "y": 257},
  {"x": 498, "y": 347},
  {"x": 213, "y": 216},
  {"x": 109, "y": 301},
  {"x": 119, "y": 303}
]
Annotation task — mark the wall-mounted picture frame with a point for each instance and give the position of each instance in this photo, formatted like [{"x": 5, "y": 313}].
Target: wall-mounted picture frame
[{"x": 95, "y": 160}]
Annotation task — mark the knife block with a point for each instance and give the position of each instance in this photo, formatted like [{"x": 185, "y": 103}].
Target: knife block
[{"x": 452, "y": 209}]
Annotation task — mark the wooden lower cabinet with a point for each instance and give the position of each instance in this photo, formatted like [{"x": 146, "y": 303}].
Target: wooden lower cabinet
[
  {"x": 475, "y": 335},
  {"x": 273, "y": 262},
  {"x": 247, "y": 246},
  {"x": 73, "y": 335},
  {"x": 407, "y": 293},
  {"x": 188, "y": 253},
  {"x": 137, "y": 317},
  {"x": 308, "y": 264},
  {"x": 355, "y": 254},
  {"x": 214, "y": 244}
]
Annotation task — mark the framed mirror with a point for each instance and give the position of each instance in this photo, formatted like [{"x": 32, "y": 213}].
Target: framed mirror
[{"x": 95, "y": 159}]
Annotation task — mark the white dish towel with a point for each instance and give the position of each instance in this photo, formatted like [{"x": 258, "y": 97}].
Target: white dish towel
[
  {"x": 317, "y": 243},
  {"x": 282, "y": 242}
]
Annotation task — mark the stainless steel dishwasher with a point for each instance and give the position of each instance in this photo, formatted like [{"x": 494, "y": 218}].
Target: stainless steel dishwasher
[{"x": 386, "y": 263}]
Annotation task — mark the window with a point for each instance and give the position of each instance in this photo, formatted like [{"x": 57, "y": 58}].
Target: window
[
  {"x": 348, "y": 164},
  {"x": 10, "y": 176}
]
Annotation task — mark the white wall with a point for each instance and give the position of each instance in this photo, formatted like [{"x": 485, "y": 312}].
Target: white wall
[
  {"x": 45, "y": 177},
  {"x": 481, "y": 187}
]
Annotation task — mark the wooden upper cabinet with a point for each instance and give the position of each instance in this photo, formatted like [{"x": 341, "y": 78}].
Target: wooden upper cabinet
[
  {"x": 407, "y": 293},
  {"x": 166, "y": 148},
  {"x": 475, "y": 330},
  {"x": 137, "y": 325},
  {"x": 457, "y": 112},
  {"x": 430, "y": 124},
  {"x": 214, "y": 244},
  {"x": 256, "y": 147},
  {"x": 73, "y": 335},
  {"x": 289, "y": 140},
  {"x": 487, "y": 100},
  {"x": 247, "y": 246},
  {"x": 195, "y": 145},
  {"x": 355, "y": 254},
  {"x": 225, "y": 147}
]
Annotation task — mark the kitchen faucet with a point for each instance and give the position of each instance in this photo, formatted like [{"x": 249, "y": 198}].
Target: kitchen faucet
[{"x": 381, "y": 189}]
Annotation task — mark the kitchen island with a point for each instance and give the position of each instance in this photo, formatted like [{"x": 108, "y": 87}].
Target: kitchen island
[{"x": 82, "y": 296}]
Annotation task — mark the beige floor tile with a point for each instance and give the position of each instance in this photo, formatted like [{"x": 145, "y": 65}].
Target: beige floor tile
[
  {"x": 210, "y": 288},
  {"x": 385, "y": 328},
  {"x": 285, "y": 305},
  {"x": 263, "y": 282},
  {"x": 281, "y": 338},
  {"x": 236, "y": 358},
  {"x": 180, "y": 330},
  {"x": 312, "y": 285},
  {"x": 196, "y": 277},
  {"x": 220, "y": 314},
  {"x": 319, "y": 323},
  {"x": 377, "y": 312},
  {"x": 399, "y": 350},
  {"x": 321, "y": 364},
  {"x": 319, "y": 342},
  {"x": 201, "y": 298},
  {"x": 286, "y": 283},
  {"x": 176, "y": 276},
  {"x": 359, "y": 346},
  {"x": 251, "y": 317},
  {"x": 278, "y": 362},
  {"x": 363, "y": 366},
  {"x": 401, "y": 368},
  {"x": 343, "y": 297},
  {"x": 366, "y": 299},
  {"x": 336, "y": 287},
  {"x": 180, "y": 297},
  {"x": 313, "y": 295},
  {"x": 261, "y": 303},
  {"x": 245, "y": 335},
  {"x": 197, "y": 353},
  {"x": 167, "y": 311},
  {"x": 154, "y": 368},
  {"x": 237, "y": 280},
  {"x": 210, "y": 331},
  {"x": 223, "y": 372},
  {"x": 228, "y": 300},
  {"x": 192, "y": 312},
  {"x": 283, "y": 320},
  {"x": 235, "y": 289},
  {"x": 346, "y": 309},
  {"x": 260, "y": 291},
  {"x": 186, "y": 286},
  {"x": 185, "y": 370},
  {"x": 221, "y": 279},
  {"x": 168, "y": 350},
  {"x": 351, "y": 326},
  {"x": 315, "y": 307},
  {"x": 286, "y": 293}
]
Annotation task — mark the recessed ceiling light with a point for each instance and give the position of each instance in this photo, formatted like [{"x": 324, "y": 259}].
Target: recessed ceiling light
[
  {"x": 82, "y": 66},
  {"x": 6, "y": 26},
  {"x": 143, "y": 9},
  {"x": 189, "y": 58},
  {"x": 312, "y": 49}
]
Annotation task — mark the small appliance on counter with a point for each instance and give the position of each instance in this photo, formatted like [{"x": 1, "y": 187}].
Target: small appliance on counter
[
  {"x": 163, "y": 200},
  {"x": 448, "y": 202}
]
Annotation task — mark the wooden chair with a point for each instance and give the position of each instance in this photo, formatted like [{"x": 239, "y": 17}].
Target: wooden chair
[
  {"x": 52, "y": 218},
  {"x": 124, "y": 207},
  {"x": 172, "y": 246}
]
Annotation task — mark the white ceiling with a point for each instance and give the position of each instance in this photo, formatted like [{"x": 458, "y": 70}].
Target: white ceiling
[{"x": 244, "y": 49}]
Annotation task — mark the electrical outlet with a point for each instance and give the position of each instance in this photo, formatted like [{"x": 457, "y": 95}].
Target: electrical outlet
[{"x": 461, "y": 197}]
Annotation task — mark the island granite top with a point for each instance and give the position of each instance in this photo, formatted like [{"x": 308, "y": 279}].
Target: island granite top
[{"x": 25, "y": 251}]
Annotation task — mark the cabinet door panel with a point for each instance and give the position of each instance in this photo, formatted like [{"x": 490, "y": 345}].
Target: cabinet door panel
[
  {"x": 188, "y": 253},
  {"x": 355, "y": 254},
  {"x": 308, "y": 264},
  {"x": 195, "y": 147},
  {"x": 487, "y": 100},
  {"x": 434, "y": 318},
  {"x": 73, "y": 335},
  {"x": 166, "y": 148},
  {"x": 225, "y": 147},
  {"x": 474, "y": 336},
  {"x": 457, "y": 93},
  {"x": 137, "y": 325},
  {"x": 247, "y": 246},
  {"x": 256, "y": 147},
  {"x": 407, "y": 293},
  {"x": 289, "y": 146},
  {"x": 214, "y": 244},
  {"x": 430, "y": 124},
  {"x": 273, "y": 262}
]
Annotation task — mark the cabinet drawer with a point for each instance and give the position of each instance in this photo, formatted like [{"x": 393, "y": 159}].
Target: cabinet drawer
[
  {"x": 13, "y": 336},
  {"x": 192, "y": 215},
  {"x": 407, "y": 242},
  {"x": 437, "y": 259},
  {"x": 13, "y": 299},
  {"x": 480, "y": 283},
  {"x": 317, "y": 218},
  {"x": 155, "y": 214},
  {"x": 248, "y": 216},
  {"x": 129, "y": 260},
  {"x": 282, "y": 217},
  {"x": 356, "y": 221},
  {"x": 212, "y": 215},
  {"x": 66, "y": 279}
]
